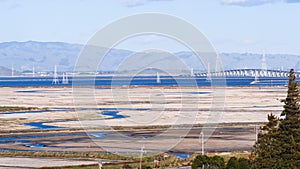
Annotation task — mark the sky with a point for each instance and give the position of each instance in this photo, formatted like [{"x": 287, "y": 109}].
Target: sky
[{"x": 240, "y": 26}]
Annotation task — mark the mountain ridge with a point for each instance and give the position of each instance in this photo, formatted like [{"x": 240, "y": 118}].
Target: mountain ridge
[{"x": 43, "y": 56}]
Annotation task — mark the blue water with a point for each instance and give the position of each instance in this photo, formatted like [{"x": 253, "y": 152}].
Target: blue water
[
  {"x": 181, "y": 155},
  {"x": 98, "y": 135},
  {"x": 41, "y": 126},
  {"x": 140, "y": 81},
  {"x": 36, "y": 145},
  {"x": 27, "y": 91},
  {"x": 23, "y": 139},
  {"x": 112, "y": 115},
  {"x": 29, "y": 144}
]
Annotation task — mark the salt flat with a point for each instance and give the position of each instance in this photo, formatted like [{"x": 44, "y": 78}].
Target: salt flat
[
  {"x": 135, "y": 106},
  {"x": 140, "y": 106}
]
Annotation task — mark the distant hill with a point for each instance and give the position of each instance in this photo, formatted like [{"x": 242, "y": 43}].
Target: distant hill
[
  {"x": 251, "y": 60},
  {"x": 44, "y": 55},
  {"x": 4, "y": 71}
]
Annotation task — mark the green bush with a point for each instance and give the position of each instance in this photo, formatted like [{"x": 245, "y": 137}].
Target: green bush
[
  {"x": 241, "y": 163},
  {"x": 215, "y": 162},
  {"x": 233, "y": 163},
  {"x": 244, "y": 163}
]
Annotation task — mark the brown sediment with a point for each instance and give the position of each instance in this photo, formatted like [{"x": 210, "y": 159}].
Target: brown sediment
[
  {"x": 147, "y": 111},
  {"x": 162, "y": 105}
]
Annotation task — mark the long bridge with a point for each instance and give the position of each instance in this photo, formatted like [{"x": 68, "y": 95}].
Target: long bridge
[
  {"x": 247, "y": 73},
  {"x": 263, "y": 72}
]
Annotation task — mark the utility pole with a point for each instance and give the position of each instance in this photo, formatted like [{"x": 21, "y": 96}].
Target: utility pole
[
  {"x": 141, "y": 158},
  {"x": 202, "y": 143},
  {"x": 55, "y": 76},
  {"x": 256, "y": 133},
  {"x": 202, "y": 146},
  {"x": 100, "y": 164}
]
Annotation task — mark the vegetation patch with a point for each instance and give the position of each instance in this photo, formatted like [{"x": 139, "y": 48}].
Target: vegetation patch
[
  {"x": 278, "y": 144},
  {"x": 97, "y": 155},
  {"x": 16, "y": 108}
]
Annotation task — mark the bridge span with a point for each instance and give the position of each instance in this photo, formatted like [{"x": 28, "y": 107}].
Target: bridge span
[{"x": 248, "y": 73}]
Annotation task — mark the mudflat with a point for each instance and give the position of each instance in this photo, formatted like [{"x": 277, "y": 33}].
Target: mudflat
[
  {"x": 64, "y": 121},
  {"x": 139, "y": 106}
]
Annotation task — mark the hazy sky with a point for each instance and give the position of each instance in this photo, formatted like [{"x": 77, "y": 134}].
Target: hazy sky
[{"x": 230, "y": 25}]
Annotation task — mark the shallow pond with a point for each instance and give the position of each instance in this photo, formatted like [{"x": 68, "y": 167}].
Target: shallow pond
[
  {"x": 113, "y": 115},
  {"x": 41, "y": 126},
  {"x": 181, "y": 155}
]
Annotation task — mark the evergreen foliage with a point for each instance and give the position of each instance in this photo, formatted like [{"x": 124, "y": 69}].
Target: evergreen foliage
[
  {"x": 201, "y": 160},
  {"x": 215, "y": 162},
  {"x": 278, "y": 144},
  {"x": 244, "y": 163},
  {"x": 233, "y": 163}
]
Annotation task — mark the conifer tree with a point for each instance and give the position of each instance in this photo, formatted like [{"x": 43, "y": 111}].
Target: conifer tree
[
  {"x": 289, "y": 128},
  {"x": 266, "y": 152},
  {"x": 278, "y": 144}
]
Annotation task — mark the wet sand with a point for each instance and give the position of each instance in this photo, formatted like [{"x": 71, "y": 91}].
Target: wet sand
[{"x": 223, "y": 139}]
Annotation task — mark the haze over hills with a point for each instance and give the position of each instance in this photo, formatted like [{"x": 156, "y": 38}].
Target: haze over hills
[{"x": 44, "y": 55}]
